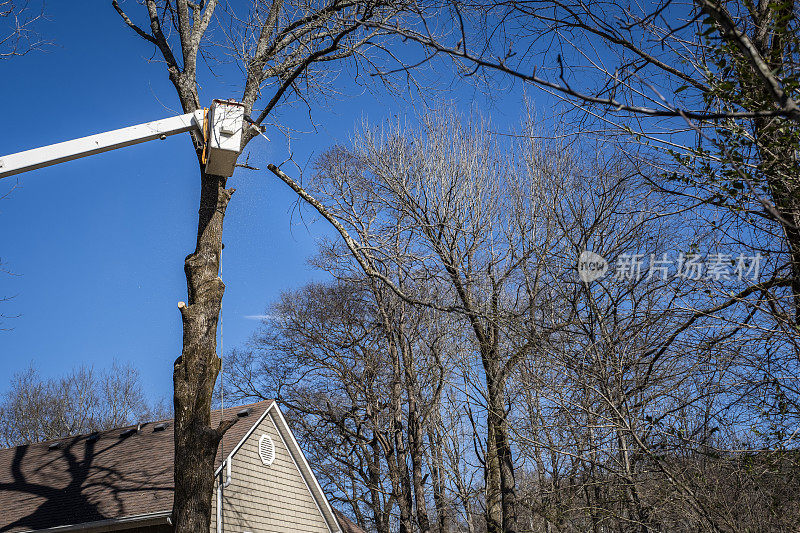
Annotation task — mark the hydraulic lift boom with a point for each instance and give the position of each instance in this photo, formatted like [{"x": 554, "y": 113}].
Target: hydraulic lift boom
[{"x": 221, "y": 126}]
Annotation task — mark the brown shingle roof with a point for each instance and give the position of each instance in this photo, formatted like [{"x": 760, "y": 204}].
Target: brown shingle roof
[
  {"x": 347, "y": 525},
  {"x": 87, "y": 479}
]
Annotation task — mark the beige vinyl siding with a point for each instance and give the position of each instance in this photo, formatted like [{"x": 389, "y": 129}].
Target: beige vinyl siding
[{"x": 267, "y": 499}]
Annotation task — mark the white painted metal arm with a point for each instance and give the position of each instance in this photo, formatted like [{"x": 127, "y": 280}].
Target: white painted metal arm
[{"x": 95, "y": 144}]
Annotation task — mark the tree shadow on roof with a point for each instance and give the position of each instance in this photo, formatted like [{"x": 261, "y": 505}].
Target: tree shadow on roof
[{"x": 68, "y": 485}]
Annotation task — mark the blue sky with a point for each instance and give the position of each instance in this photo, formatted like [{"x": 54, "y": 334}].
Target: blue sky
[{"x": 96, "y": 246}]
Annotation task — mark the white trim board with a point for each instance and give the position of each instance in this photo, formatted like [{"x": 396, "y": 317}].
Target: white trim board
[{"x": 111, "y": 524}]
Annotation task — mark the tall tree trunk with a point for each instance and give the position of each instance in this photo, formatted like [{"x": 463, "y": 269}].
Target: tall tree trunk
[
  {"x": 778, "y": 153},
  {"x": 405, "y": 497},
  {"x": 494, "y": 499},
  {"x": 380, "y": 512},
  {"x": 196, "y": 370},
  {"x": 415, "y": 430},
  {"x": 397, "y": 458},
  {"x": 398, "y": 463},
  {"x": 497, "y": 423},
  {"x": 437, "y": 473},
  {"x": 415, "y": 445}
]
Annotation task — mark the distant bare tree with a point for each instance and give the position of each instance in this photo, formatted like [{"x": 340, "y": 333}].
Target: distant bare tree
[
  {"x": 84, "y": 400},
  {"x": 361, "y": 374},
  {"x": 468, "y": 214},
  {"x": 17, "y": 28},
  {"x": 621, "y": 402}
]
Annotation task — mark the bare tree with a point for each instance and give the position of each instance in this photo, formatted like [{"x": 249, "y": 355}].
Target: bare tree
[
  {"x": 283, "y": 49},
  {"x": 635, "y": 411},
  {"x": 84, "y": 400},
  {"x": 707, "y": 88},
  {"x": 468, "y": 213},
  {"x": 17, "y": 28},
  {"x": 627, "y": 400},
  {"x": 361, "y": 374}
]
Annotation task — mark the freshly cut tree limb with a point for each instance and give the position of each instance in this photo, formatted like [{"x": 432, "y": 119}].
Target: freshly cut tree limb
[{"x": 364, "y": 262}]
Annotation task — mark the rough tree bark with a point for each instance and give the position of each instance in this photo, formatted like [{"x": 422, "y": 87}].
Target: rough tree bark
[
  {"x": 397, "y": 459},
  {"x": 501, "y": 497},
  {"x": 196, "y": 370}
]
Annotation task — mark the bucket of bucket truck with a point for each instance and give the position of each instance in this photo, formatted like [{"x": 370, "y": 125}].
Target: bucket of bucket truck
[{"x": 223, "y": 136}]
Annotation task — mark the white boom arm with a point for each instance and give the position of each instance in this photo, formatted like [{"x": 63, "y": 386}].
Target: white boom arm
[
  {"x": 95, "y": 144},
  {"x": 222, "y": 135}
]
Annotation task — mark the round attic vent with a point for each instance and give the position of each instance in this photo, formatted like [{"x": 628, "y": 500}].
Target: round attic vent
[{"x": 266, "y": 449}]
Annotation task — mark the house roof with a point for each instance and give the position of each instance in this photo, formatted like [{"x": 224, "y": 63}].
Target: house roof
[
  {"x": 105, "y": 476},
  {"x": 347, "y": 525}
]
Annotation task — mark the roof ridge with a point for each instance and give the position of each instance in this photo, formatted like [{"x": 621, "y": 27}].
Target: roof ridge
[{"x": 79, "y": 436}]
